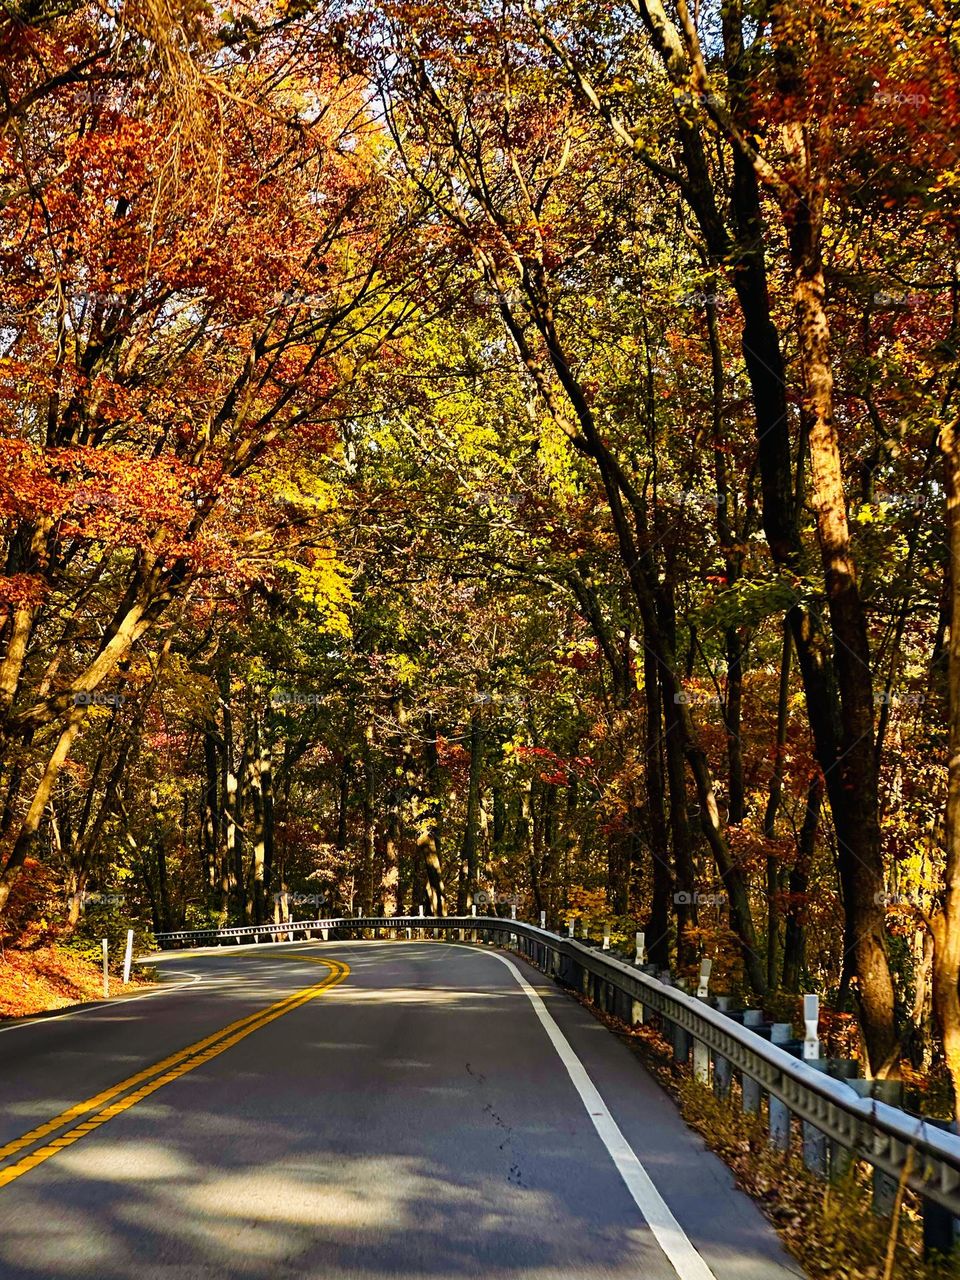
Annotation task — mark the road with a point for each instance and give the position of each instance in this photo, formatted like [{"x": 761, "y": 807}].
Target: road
[{"x": 355, "y": 1110}]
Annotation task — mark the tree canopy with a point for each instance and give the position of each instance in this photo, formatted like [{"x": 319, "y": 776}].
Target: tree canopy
[{"x": 470, "y": 455}]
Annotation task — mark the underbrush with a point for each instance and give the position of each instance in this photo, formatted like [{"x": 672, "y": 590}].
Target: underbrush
[
  {"x": 46, "y": 974},
  {"x": 44, "y": 964}
]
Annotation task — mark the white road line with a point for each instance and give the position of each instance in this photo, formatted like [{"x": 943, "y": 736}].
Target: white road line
[
  {"x": 667, "y": 1231},
  {"x": 118, "y": 1003}
]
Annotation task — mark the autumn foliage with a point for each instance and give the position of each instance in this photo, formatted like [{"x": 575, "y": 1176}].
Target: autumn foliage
[{"x": 455, "y": 450}]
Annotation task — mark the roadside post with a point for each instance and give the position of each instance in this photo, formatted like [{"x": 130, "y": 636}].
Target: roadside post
[
  {"x": 128, "y": 956},
  {"x": 811, "y": 1026},
  {"x": 636, "y": 1006},
  {"x": 106, "y": 976},
  {"x": 701, "y": 1050}
]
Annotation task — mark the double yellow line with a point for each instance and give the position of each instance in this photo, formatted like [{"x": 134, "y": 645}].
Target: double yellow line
[{"x": 120, "y": 1097}]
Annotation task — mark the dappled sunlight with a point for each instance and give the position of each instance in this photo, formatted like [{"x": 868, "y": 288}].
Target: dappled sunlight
[
  {"x": 277, "y": 1212},
  {"x": 391, "y": 1192},
  {"x": 112, "y": 1160}
]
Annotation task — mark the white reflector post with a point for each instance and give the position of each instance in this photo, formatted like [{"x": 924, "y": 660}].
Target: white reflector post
[
  {"x": 128, "y": 956},
  {"x": 811, "y": 1025}
]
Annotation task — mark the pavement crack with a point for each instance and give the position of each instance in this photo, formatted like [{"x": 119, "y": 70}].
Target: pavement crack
[{"x": 514, "y": 1174}]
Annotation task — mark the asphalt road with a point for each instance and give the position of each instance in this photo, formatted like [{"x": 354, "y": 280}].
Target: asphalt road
[{"x": 355, "y": 1110}]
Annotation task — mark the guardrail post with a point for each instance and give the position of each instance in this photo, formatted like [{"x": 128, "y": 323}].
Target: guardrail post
[
  {"x": 681, "y": 1036},
  {"x": 639, "y": 1011},
  {"x": 940, "y": 1227},
  {"x": 106, "y": 976},
  {"x": 779, "y": 1112},
  {"x": 814, "y": 1142},
  {"x": 841, "y": 1157},
  {"x": 750, "y": 1088},
  {"x": 884, "y": 1186},
  {"x": 722, "y": 1068}
]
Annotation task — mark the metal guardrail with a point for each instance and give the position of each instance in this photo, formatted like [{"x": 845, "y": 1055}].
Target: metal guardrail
[{"x": 899, "y": 1145}]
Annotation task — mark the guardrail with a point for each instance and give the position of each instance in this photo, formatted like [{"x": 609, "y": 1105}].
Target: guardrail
[{"x": 896, "y": 1144}]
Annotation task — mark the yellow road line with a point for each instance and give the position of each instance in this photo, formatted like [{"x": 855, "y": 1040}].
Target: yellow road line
[
  {"x": 173, "y": 1067},
  {"x": 90, "y": 1104}
]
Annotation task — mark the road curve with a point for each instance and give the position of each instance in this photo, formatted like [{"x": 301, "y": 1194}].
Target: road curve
[{"x": 351, "y": 1111}]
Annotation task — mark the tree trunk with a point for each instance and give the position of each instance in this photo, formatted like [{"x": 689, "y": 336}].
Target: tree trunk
[
  {"x": 946, "y": 923},
  {"x": 726, "y": 535},
  {"x": 658, "y": 926},
  {"x": 41, "y": 798},
  {"x": 391, "y": 857},
  {"x": 368, "y": 848},
  {"x": 233, "y": 790},
  {"x": 684, "y": 874},
  {"x": 343, "y": 804},
  {"x": 256, "y": 906},
  {"x": 209, "y": 818},
  {"x": 160, "y": 863},
  {"x": 770, "y": 814},
  {"x": 857, "y": 826},
  {"x": 794, "y": 942},
  {"x": 468, "y": 856},
  {"x": 428, "y": 841}
]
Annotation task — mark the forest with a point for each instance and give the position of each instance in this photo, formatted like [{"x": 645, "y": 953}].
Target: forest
[{"x": 489, "y": 453}]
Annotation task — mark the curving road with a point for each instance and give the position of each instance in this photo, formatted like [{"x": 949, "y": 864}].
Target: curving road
[{"x": 354, "y": 1110}]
